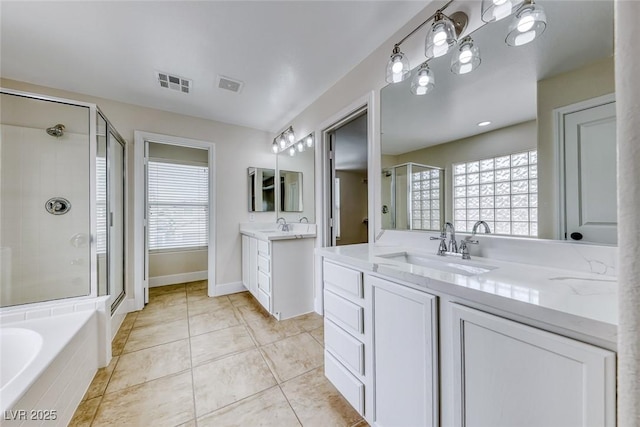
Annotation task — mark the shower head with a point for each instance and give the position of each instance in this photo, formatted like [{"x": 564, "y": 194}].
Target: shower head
[{"x": 57, "y": 130}]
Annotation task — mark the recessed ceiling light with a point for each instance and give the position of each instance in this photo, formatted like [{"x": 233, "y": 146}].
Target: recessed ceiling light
[{"x": 483, "y": 124}]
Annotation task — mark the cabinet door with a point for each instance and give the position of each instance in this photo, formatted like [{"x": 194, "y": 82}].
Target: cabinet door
[
  {"x": 245, "y": 261},
  {"x": 509, "y": 374},
  {"x": 253, "y": 266},
  {"x": 405, "y": 355}
]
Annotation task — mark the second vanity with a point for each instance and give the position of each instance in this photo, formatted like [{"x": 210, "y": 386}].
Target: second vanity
[
  {"x": 414, "y": 339},
  {"x": 277, "y": 267}
]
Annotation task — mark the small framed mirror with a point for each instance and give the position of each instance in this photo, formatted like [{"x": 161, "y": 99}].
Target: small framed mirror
[
  {"x": 290, "y": 191},
  {"x": 262, "y": 189}
]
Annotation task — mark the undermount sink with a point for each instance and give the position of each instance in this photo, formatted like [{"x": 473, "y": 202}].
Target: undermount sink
[{"x": 448, "y": 264}]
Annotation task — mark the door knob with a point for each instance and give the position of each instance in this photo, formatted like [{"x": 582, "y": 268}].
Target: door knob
[{"x": 576, "y": 236}]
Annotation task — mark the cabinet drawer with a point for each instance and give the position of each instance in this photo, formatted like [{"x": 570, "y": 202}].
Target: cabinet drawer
[
  {"x": 264, "y": 282},
  {"x": 264, "y": 248},
  {"x": 345, "y": 382},
  {"x": 347, "y": 349},
  {"x": 344, "y": 278},
  {"x": 264, "y": 264},
  {"x": 344, "y": 312},
  {"x": 264, "y": 299}
]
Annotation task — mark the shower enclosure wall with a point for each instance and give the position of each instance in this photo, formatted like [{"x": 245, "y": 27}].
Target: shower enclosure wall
[
  {"x": 61, "y": 201},
  {"x": 412, "y": 197}
]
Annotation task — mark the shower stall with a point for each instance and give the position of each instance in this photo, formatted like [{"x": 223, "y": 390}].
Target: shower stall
[
  {"x": 412, "y": 197},
  {"x": 62, "y": 201}
]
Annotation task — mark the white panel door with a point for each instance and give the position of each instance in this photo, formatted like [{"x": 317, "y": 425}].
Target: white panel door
[
  {"x": 590, "y": 174},
  {"x": 405, "y": 356},
  {"x": 508, "y": 374}
]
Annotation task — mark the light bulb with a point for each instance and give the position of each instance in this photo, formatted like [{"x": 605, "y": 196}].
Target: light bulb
[
  {"x": 423, "y": 80},
  {"x": 309, "y": 141},
  {"x": 465, "y": 68},
  {"x": 524, "y": 38},
  {"x": 282, "y": 142},
  {"x": 274, "y": 147},
  {"x": 292, "y": 136},
  {"x": 397, "y": 66},
  {"x": 440, "y": 37},
  {"x": 499, "y": 2},
  {"x": 300, "y": 146},
  {"x": 526, "y": 23},
  {"x": 465, "y": 56},
  {"x": 292, "y": 151},
  {"x": 421, "y": 90}
]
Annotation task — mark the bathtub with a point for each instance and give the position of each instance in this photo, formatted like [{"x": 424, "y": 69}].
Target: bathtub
[{"x": 46, "y": 366}]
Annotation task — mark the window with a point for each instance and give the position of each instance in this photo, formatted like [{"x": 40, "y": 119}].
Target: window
[
  {"x": 425, "y": 197},
  {"x": 178, "y": 199},
  {"x": 101, "y": 205},
  {"x": 503, "y": 191}
]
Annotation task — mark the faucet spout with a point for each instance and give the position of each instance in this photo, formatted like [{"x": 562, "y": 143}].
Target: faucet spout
[
  {"x": 453, "y": 245},
  {"x": 487, "y": 230},
  {"x": 283, "y": 226}
]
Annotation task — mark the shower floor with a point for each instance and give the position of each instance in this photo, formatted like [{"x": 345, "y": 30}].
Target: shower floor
[{"x": 190, "y": 360}]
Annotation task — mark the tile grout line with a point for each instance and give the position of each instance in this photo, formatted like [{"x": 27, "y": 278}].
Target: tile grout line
[{"x": 193, "y": 381}]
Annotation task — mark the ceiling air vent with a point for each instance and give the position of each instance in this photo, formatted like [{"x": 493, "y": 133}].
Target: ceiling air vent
[
  {"x": 177, "y": 83},
  {"x": 230, "y": 84}
]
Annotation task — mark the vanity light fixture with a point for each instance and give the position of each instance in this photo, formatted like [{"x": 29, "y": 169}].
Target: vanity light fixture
[
  {"x": 274, "y": 147},
  {"x": 443, "y": 34},
  {"x": 398, "y": 66},
  {"x": 284, "y": 140},
  {"x": 466, "y": 58},
  {"x": 424, "y": 81},
  {"x": 495, "y": 10},
  {"x": 528, "y": 23},
  {"x": 300, "y": 146}
]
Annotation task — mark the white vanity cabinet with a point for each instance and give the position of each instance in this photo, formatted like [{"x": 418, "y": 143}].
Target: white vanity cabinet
[
  {"x": 405, "y": 355},
  {"x": 508, "y": 374},
  {"x": 347, "y": 334},
  {"x": 279, "y": 274}
]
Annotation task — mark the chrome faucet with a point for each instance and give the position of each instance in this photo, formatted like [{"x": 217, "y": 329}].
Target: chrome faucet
[
  {"x": 305, "y": 219},
  {"x": 463, "y": 243},
  {"x": 487, "y": 230},
  {"x": 283, "y": 226},
  {"x": 453, "y": 245}
]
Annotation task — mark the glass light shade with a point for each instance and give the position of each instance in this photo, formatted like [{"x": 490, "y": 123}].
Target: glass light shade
[
  {"x": 440, "y": 38},
  {"x": 466, "y": 58},
  {"x": 495, "y": 10},
  {"x": 292, "y": 151},
  {"x": 397, "y": 67},
  {"x": 528, "y": 23},
  {"x": 291, "y": 136},
  {"x": 424, "y": 81},
  {"x": 282, "y": 142},
  {"x": 309, "y": 141},
  {"x": 274, "y": 147},
  {"x": 300, "y": 146}
]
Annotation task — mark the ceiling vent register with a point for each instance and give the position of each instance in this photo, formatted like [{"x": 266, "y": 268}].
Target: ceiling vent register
[
  {"x": 227, "y": 83},
  {"x": 177, "y": 83}
]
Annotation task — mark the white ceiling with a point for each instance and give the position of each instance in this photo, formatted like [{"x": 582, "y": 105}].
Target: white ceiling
[
  {"x": 503, "y": 89},
  {"x": 287, "y": 53}
]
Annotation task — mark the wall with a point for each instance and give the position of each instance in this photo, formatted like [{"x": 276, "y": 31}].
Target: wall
[
  {"x": 236, "y": 149},
  {"x": 181, "y": 261},
  {"x": 353, "y": 207},
  {"x": 594, "y": 80},
  {"x": 508, "y": 140}
]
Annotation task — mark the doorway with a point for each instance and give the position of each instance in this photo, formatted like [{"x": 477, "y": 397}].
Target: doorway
[
  {"x": 348, "y": 220},
  {"x": 174, "y": 213}
]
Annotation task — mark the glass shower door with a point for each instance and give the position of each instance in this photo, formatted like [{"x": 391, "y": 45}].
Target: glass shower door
[{"x": 116, "y": 219}]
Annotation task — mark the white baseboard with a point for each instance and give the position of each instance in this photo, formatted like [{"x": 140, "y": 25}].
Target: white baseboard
[
  {"x": 172, "y": 279},
  {"x": 126, "y": 306},
  {"x": 228, "y": 288}
]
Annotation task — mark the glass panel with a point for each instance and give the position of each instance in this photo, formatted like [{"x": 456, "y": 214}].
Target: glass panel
[
  {"x": 116, "y": 220},
  {"x": 101, "y": 206}
]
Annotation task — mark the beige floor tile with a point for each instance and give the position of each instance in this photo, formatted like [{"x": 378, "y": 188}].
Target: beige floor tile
[
  {"x": 254, "y": 313},
  {"x": 85, "y": 412},
  {"x": 243, "y": 298},
  {"x": 236, "y": 377},
  {"x": 214, "y": 320},
  {"x": 168, "y": 299},
  {"x": 119, "y": 341},
  {"x": 310, "y": 321},
  {"x": 155, "y": 315},
  {"x": 101, "y": 379},
  {"x": 191, "y": 423},
  {"x": 268, "y": 408},
  {"x": 317, "y": 403},
  {"x": 197, "y": 294},
  {"x": 161, "y": 290},
  {"x": 207, "y": 305},
  {"x": 200, "y": 284},
  {"x": 293, "y": 356},
  {"x": 269, "y": 330},
  {"x": 214, "y": 345},
  {"x": 129, "y": 320},
  {"x": 149, "y": 364},
  {"x": 162, "y": 333},
  {"x": 318, "y": 335},
  {"x": 167, "y": 401},
  {"x": 362, "y": 423}
]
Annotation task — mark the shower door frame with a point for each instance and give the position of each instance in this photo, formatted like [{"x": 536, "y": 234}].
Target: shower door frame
[{"x": 93, "y": 109}]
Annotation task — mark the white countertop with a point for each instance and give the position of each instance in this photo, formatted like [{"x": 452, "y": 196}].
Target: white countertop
[
  {"x": 269, "y": 231},
  {"x": 584, "y": 302}
]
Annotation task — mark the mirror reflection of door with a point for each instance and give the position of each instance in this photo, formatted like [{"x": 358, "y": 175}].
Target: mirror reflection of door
[
  {"x": 350, "y": 182},
  {"x": 590, "y": 174}
]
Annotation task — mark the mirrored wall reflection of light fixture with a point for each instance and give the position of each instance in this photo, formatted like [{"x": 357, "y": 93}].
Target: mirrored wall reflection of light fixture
[
  {"x": 466, "y": 58},
  {"x": 424, "y": 81},
  {"x": 284, "y": 140},
  {"x": 292, "y": 151},
  {"x": 274, "y": 147},
  {"x": 308, "y": 140},
  {"x": 398, "y": 66},
  {"x": 300, "y": 146},
  {"x": 528, "y": 23},
  {"x": 495, "y": 10}
]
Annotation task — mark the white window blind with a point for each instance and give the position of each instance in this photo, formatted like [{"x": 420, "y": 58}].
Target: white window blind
[{"x": 178, "y": 199}]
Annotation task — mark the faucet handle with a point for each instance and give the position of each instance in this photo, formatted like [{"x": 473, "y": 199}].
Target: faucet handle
[
  {"x": 438, "y": 238},
  {"x": 442, "y": 249},
  {"x": 463, "y": 247}
]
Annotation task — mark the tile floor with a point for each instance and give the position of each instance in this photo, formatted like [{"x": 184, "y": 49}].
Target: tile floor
[{"x": 191, "y": 360}]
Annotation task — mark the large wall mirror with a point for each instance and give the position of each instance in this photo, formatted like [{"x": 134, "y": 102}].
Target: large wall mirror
[
  {"x": 296, "y": 193},
  {"x": 532, "y": 171}
]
